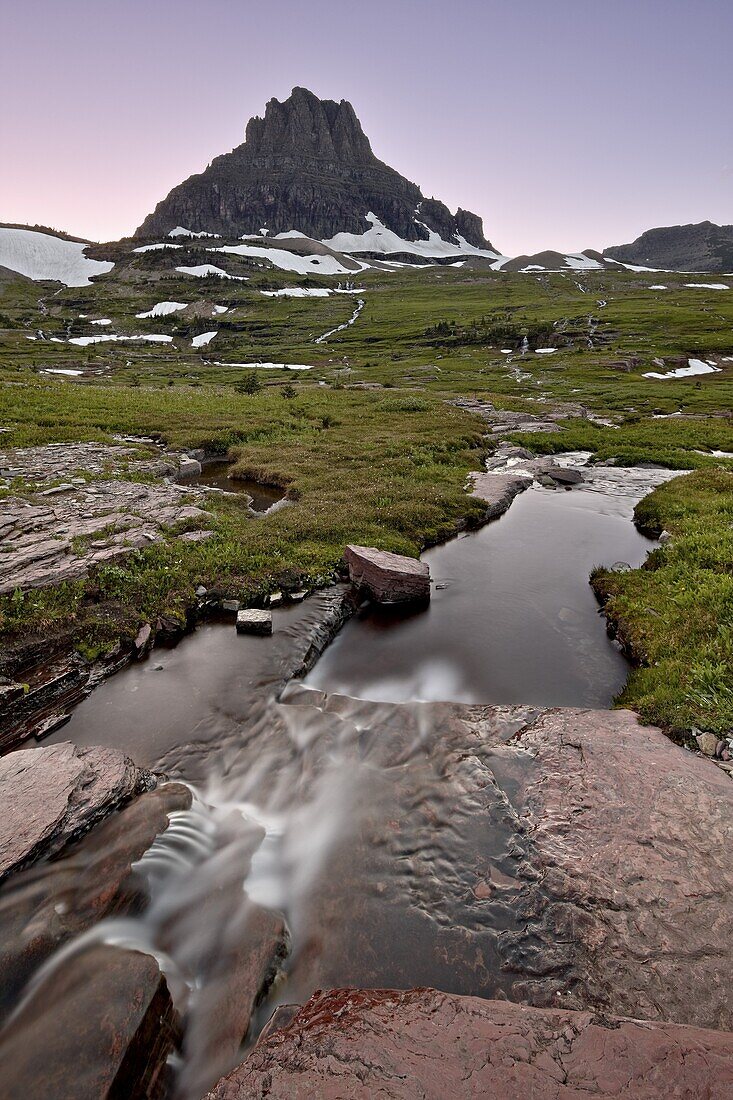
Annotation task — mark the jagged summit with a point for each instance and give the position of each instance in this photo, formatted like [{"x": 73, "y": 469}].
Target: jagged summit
[{"x": 307, "y": 166}]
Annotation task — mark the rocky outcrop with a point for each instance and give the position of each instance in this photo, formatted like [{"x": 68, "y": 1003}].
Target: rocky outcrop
[
  {"x": 387, "y": 577},
  {"x": 498, "y": 491},
  {"x": 703, "y": 246},
  {"x": 426, "y": 1045},
  {"x": 306, "y": 166},
  {"x": 52, "y": 795},
  {"x": 63, "y": 529},
  {"x": 101, "y": 1025}
]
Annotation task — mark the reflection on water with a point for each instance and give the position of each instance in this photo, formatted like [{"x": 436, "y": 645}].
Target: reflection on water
[{"x": 512, "y": 618}]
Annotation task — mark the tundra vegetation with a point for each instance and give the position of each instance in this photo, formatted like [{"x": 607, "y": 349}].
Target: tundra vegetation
[{"x": 369, "y": 442}]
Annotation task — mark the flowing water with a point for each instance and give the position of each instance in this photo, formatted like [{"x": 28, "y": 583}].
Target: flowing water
[{"x": 387, "y": 828}]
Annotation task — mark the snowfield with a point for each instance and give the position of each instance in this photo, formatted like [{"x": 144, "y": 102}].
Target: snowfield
[
  {"x": 42, "y": 256},
  {"x": 85, "y": 341},
  {"x": 201, "y": 271},
  {"x": 263, "y": 366},
  {"x": 289, "y": 261},
  {"x": 381, "y": 239},
  {"x": 695, "y": 366},
  {"x": 202, "y": 339},
  {"x": 156, "y": 247},
  {"x": 162, "y": 309}
]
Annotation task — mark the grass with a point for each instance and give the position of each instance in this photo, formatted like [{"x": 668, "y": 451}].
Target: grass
[
  {"x": 675, "y": 615},
  {"x": 387, "y": 466}
]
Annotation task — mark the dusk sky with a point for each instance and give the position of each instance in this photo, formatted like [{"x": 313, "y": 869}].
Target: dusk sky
[{"x": 564, "y": 123}]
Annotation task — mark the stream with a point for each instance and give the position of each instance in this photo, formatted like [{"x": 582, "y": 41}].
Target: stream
[{"x": 347, "y": 801}]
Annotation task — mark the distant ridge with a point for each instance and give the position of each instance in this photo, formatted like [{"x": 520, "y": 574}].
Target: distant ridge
[{"x": 702, "y": 246}]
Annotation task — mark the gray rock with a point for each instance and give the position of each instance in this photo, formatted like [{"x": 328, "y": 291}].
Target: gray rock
[
  {"x": 230, "y": 605},
  {"x": 189, "y": 467},
  {"x": 142, "y": 638},
  {"x": 253, "y": 621},
  {"x": 707, "y": 743},
  {"x": 52, "y": 795},
  {"x": 276, "y": 599}
]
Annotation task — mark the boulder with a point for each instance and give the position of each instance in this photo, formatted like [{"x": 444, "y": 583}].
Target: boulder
[
  {"x": 253, "y": 621},
  {"x": 100, "y": 1025},
  {"x": 52, "y": 795},
  {"x": 189, "y": 467},
  {"x": 387, "y": 577},
  {"x": 564, "y": 475},
  {"x": 498, "y": 490},
  {"x": 427, "y": 1045}
]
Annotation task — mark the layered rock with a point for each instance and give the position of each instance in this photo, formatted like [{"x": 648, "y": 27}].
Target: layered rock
[
  {"x": 100, "y": 1025},
  {"x": 703, "y": 246},
  {"x": 52, "y": 795},
  {"x": 306, "y": 166},
  {"x": 426, "y": 1045}
]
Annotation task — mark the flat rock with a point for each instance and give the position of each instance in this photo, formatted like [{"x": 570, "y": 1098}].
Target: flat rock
[
  {"x": 101, "y": 1025},
  {"x": 424, "y": 1045},
  {"x": 52, "y": 795},
  {"x": 498, "y": 490},
  {"x": 388, "y": 577},
  {"x": 252, "y": 621}
]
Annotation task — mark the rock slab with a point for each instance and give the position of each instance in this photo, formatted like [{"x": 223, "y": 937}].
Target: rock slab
[
  {"x": 424, "y": 1044},
  {"x": 52, "y": 795},
  {"x": 387, "y": 577},
  {"x": 252, "y": 621}
]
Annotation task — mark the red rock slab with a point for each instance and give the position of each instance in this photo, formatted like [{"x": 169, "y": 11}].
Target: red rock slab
[
  {"x": 425, "y": 1045},
  {"x": 52, "y": 795},
  {"x": 498, "y": 490},
  {"x": 101, "y": 1025},
  {"x": 387, "y": 577}
]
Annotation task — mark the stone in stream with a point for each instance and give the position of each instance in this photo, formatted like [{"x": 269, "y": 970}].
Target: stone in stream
[
  {"x": 102, "y": 1024},
  {"x": 388, "y": 577},
  {"x": 253, "y": 621},
  {"x": 498, "y": 490},
  {"x": 52, "y": 795},
  {"x": 563, "y": 475},
  {"x": 420, "y": 1044},
  {"x": 189, "y": 467}
]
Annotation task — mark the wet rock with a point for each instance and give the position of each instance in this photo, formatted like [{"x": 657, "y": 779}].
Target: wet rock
[
  {"x": 101, "y": 1025},
  {"x": 564, "y": 850},
  {"x": 253, "y": 621},
  {"x": 427, "y": 1045},
  {"x": 387, "y": 577},
  {"x": 564, "y": 475},
  {"x": 230, "y": 605},
  {"x": 498, "y": 490},
  {"x": 52, "y": 795},
  {"x": 45, "y": 906},
  {"x": 276, "y": 599},
  {"x": 142, "y": 639}
]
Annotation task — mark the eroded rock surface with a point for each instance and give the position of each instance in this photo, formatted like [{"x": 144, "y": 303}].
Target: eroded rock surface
[
  {"x": 566, "y": 857},
  {"x": 387, "y": 577},
  {"x": 429, "y": 1045},
  {"x": 52, "y": 795}
]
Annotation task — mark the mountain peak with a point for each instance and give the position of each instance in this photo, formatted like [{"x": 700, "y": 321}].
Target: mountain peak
[
  {"x": 307, "y": 166},
  {"x": 305, "y": 125}
]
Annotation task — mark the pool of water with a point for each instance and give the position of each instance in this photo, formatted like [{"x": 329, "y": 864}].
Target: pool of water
[
  {"x": 215, "y": 475},
  {"x": 512, "y": 617}
]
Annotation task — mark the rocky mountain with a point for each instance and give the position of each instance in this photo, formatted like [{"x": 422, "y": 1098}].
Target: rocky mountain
[
  {"x": 703, "y": 246},
  {"x": 308, "y": 166}
]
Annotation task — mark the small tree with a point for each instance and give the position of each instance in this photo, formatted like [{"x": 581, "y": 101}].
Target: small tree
[
  {"x": 288, "y": 391},
  {"x": 250, "y": 384}
]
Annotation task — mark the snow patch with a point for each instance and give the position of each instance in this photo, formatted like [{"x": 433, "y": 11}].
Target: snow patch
[
  {"x": 381, "y": 239},
  {"x": 708, "y": 286},
  {"x": 156, "y": 247},
  {"x": 162, "y": 309},
  {"x": 202, "y": 271},
  {"x": 264, "y": 366},
  {"x": 43, "y": 256},
  {"x": 289, "y": 261},
  {"x": 695, "y": 366},
  {"x": 202, "y": 339},
  {"x": 180, "y": 231},
  {"x": 85, "y": 341},
  {"x": 102, "y": 321}
]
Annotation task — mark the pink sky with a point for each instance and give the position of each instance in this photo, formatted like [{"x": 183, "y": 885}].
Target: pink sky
[{"x": 563, "y": 123}]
